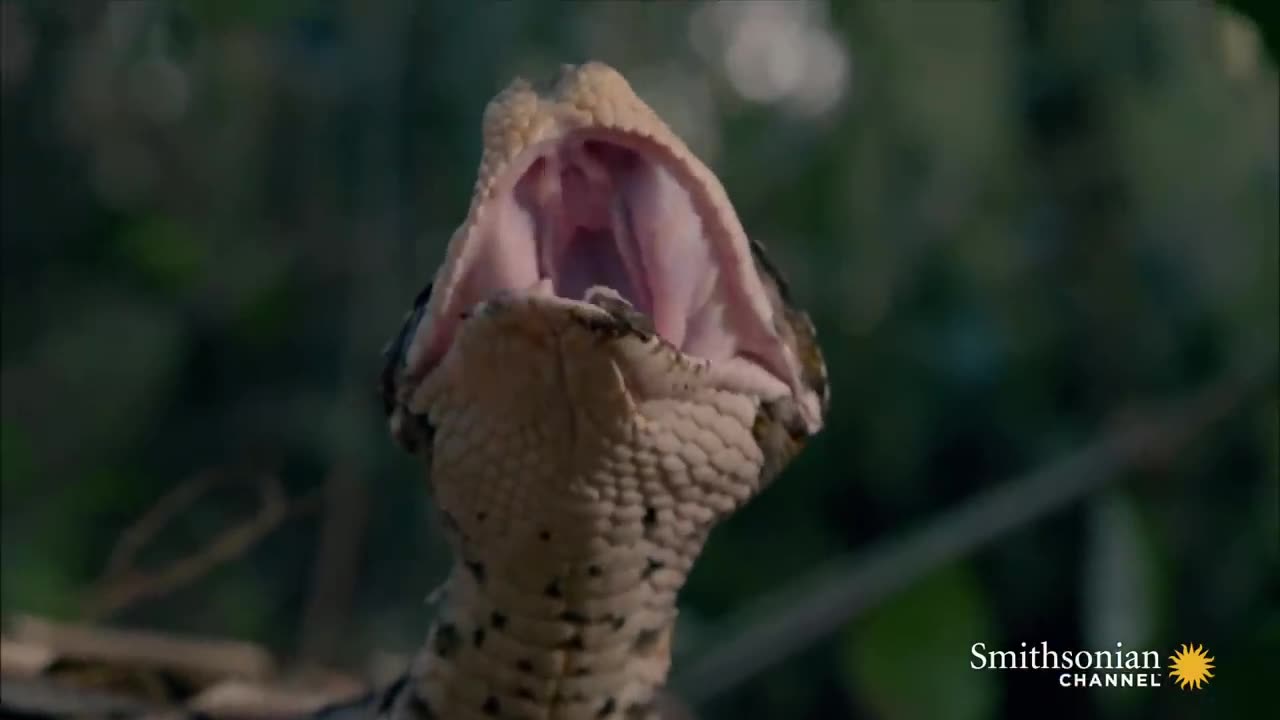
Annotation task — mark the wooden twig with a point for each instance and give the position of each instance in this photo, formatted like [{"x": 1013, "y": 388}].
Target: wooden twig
[
  {"x": 779, "y": 626},
  {"x": 206, "y": 658},
  {"x": 125, "y": 585},
  {"x": 336, "y": 567},
  {"x": 20, "y": 658},
  {"x": 156, "y": 518},
  {"x": 44, "y": 698}
]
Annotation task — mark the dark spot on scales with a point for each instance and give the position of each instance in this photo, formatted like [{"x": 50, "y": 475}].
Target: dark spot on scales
[
  {"x": 595, "y": 570},
  {"x": 415, "y": 435},
  {"x": 388, "y": 697},
  {"x": 553, "y": 589},
  {"x": 446, "y": 640},
  {"x": 477, "y": 637},
  {"x": 607, "y": 709},
  {"x": 616, "y": 621},
  {"x": 524, "y": 666},
  {"x": 498, "y": 620},
  {"x": 449, "y": 522},
  {"x": 545, "y": 535},
  {"x": 574, "y": 617},
  {"x": 574, "y": 643},
  {"x": 491, "y": 706},
  {"x": 419, "y": 707},
  {"x": 650, "y": 518},
  {"x": 477, "y": 569},
  {"x": 646, "y": 640},
  {"x": 652, "y": 566},
  {"x": 639, "y": 711}
]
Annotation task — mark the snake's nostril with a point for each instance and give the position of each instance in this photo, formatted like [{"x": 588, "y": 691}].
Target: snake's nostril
[
  {"x": 606, "y": 297},
  {"x": 611, "y": 301}
]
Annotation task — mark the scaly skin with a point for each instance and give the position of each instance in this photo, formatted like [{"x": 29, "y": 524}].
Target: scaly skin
[{"x": 578, "y": 459}]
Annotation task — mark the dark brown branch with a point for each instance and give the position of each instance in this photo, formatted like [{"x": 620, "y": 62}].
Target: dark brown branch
[
  {"x": 57, "y": 670},
  {"x": 337, "y": 565},
  {"x": 198, "y": 657},
  {"x": 155, "y": 519},
  {"x": 124, "y": 585},
  {"x": 778, "y": 627}
]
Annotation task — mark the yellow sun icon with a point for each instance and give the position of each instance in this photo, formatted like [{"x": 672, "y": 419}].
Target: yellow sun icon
[{"x": 1191, "y": 666}]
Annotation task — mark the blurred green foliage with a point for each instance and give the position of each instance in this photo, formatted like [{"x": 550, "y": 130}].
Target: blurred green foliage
[
  {"x": 1011, "y": 221},
  {"x": 895, "y": 647}
]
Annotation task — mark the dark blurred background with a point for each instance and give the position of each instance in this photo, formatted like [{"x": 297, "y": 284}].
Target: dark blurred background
[{"x": 1017, "y": 225}]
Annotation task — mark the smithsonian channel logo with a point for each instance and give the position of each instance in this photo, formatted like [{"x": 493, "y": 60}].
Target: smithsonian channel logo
[{"x": 1190, "y": 666}]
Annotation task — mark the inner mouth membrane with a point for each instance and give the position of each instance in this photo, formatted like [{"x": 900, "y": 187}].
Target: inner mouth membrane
[
  {"x": 582, "y": 229},
  {"x": 585, "y": 211}
]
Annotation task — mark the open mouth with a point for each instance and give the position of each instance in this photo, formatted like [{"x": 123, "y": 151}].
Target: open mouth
[
  {"x": 582, "y": 235},
  {"x": 605, "y": 208}
]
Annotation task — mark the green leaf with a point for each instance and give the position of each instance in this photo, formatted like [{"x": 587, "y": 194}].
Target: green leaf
[{"x": 909, "y": 659}]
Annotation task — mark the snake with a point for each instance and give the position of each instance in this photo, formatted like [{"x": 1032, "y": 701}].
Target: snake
[{"x": 603, "y": 368}]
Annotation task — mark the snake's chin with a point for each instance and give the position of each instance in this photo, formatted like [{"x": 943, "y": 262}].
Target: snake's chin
[
  {"x": 551, "y": 353},
  {"x": 599, "y": 345}
]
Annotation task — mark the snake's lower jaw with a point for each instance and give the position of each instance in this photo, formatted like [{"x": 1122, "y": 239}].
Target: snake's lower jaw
[
  {"x": 535, "y": 355},
  {"x": 544, "y": 403}
]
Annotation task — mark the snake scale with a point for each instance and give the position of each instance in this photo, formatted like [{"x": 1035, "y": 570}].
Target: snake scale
[{"x": 603, "y": 367}]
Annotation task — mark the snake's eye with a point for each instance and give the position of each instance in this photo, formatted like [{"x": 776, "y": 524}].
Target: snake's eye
[
  {"x": 412, "y": 431},
  {"x": 395, "y": 353}
]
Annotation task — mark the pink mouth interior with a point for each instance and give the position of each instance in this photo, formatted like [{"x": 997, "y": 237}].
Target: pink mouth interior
[
  {"x": 583, "y": 234},
  {"x": 585, "y": 212},
  {"x": 612, "y": 209}
]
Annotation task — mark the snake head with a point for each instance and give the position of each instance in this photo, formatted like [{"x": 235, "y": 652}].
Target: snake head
[{"x": 585, "y": 186}]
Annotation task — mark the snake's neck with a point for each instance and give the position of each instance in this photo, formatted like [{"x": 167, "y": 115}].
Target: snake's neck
[
  {"x": 582, "y": 639},
  {"x": 575, "y": 509}
]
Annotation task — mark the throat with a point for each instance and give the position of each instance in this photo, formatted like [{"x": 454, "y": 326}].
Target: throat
[
  {"x": 587, "y": 644},
  {"x": 576, "y": 493},
  {"x": 594, "y": 258}
]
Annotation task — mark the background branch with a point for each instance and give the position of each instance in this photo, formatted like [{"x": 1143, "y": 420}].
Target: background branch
[
  {"x": 124, "y": 584},
  {"x": 155, "y": 519},
  {"x": 780, "y": 626}
]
